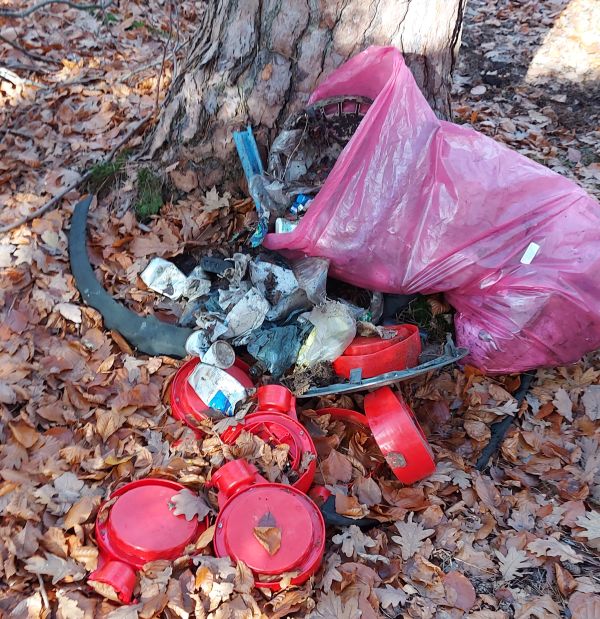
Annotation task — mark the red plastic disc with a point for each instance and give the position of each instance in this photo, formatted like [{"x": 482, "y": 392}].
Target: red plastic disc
[
  {"x": 140, "y": 525},
  {"x": 386, "y": 356},
  {"x": 185, "y": 403},
  {"x": 297, "y": 518},
  {"x": 399, "y": 436}
]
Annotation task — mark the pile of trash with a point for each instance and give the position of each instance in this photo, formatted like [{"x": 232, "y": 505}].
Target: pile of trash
[
  {"x": 278, "y": 311},
  {"x": 368, "y": 186},
  {"x": 279, "y": 318}
]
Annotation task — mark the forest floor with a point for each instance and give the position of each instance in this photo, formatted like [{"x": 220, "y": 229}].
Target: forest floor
[{"x": 81, "y": 413}]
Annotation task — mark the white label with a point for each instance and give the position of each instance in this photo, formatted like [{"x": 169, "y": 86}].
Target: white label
[{"x": 530, "y": 253}]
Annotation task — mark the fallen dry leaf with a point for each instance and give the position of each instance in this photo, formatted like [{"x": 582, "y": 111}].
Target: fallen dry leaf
[
  {"x": 590, "y": 522},
  {"x": 367, "y": 490},
  {"x": 269, "y": 538},
  {"x": 552, "y": 547},
  {"x": 349, "y": 506},
  {"x": 512, "y": 564},
  {"x": 189, "y": 504},
  {"x": 57, "y": 567},
  {"x": 460, "y": 592},
  {"x": 353, "y": 541},
  {"x": 412, "y": 535},
  {"x": 584, "y": 606},
  {"x": 591, "y": 402},
  {"x": 563, "y": 404},
  {"x": 389, "y": 597},
  {"x": 543, "y": 607},
  {"x": 213, "y": 202},
  {"x": 565, "y": 581},
  {"x": 336, "y": 467}
]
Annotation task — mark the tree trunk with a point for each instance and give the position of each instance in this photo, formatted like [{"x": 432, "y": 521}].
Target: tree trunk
[{"x": 256, "y": 61}]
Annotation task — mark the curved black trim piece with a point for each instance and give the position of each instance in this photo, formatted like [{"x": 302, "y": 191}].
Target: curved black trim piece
[{"x": 147, "y": 334}]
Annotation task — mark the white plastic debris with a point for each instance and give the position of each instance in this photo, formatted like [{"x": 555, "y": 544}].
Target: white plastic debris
[
  {"x": 272, "y": 280},
  {"x": 198, "y": 343},
  {"x": 238, "y": 270},
  {"x": 247, "y": 315},
  {"x": 334, "y": 329},
  {"x": 228, "y": 298},
  {"x": 215, "y": 387},
  {"x": 197, "y": 284},
  {"x": 283, "y": 226},
  {"x": 165, "y": 278},
  {"x": 311, "y": 274},
  {"x": 212, "y": 325}
]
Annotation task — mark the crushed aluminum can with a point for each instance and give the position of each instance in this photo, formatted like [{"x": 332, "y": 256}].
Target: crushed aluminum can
[
  {"x": 165, "y": 278},
  {"x": 220, "y": 354},
  {"x": 218, "y": 389}
]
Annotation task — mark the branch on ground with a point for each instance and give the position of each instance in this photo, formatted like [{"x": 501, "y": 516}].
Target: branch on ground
[
  {"x": 58, "y": 197},
  {"x": 41, "y": 5}
]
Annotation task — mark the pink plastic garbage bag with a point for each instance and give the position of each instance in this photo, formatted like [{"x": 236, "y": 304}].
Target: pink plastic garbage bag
[{"x": 415, "y": 204}]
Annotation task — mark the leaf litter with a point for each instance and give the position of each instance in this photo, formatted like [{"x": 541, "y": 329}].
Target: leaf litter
[{"x": 81, "y": 414}]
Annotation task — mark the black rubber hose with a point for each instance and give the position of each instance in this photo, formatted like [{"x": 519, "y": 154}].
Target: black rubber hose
[
  {"x": 501, "y": 428},
  {"x": 332, "y": 518},
  {"x": 147, "y": 334}
]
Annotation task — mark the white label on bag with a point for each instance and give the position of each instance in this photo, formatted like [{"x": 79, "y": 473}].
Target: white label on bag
[{"x": 530, "y": 253}]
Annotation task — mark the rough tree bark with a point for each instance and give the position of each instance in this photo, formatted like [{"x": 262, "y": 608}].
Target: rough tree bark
[{"x": 257, "y": 61}]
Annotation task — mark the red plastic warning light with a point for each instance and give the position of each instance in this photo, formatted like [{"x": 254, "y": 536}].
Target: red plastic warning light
[
  {"x": 253, "y": 505},
  {"x": 137, "y": 528},
  {"x": 399, "y": 436}
]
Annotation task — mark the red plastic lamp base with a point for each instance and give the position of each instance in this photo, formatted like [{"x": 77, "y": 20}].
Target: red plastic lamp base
[
  {"x": 256, "y": 505},
  {"x": 275, "y": 422},
  {"x": 138, "y": 526}
]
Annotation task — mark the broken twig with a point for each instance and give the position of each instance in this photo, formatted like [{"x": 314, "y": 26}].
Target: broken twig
[
  {"x": 59, "y": 196},
  {"x": 27, "y": 53},
  {"x": 41, "y": 5}
]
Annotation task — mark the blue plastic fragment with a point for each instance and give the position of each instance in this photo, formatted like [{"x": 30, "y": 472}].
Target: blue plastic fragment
[
  {"x": 252, "y": 166},
  {"x": 220, "y": 402}
]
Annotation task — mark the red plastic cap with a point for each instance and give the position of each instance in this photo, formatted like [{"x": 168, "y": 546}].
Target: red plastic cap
[
  {"x": 119, "y": 576},
  {"x": 399, "y": 436},
  {"x": 296, "y": 518},
  {"x": 276, "y": 399},
  {"x": 376, "y": 356},
  {"x": 233, "y": 477},
  {"x": 185, "y": 403}
]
